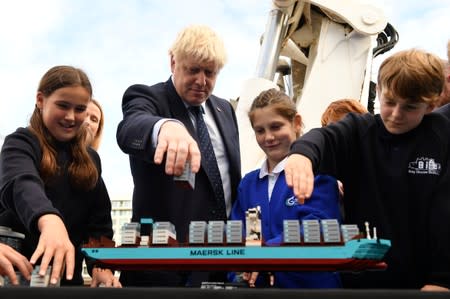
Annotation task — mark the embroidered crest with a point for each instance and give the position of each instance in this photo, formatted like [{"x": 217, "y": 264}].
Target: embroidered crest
[
  {"x": 424, "y": 166},
  {"x": 291, "y": 201}
]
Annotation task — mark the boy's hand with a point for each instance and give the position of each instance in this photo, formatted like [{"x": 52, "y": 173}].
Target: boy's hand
[{"x": 299, "y": 176}]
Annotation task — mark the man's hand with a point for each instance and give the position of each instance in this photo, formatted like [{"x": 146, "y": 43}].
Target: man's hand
[
  {"x": 299, "y": 176},
  {"x": 179, "y": 146}
]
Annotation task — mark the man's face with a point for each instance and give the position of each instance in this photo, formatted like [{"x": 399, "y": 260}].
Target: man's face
[{"x": 193, "y": 80}]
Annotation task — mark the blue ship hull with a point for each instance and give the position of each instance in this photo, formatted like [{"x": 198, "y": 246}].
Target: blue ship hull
[{"x": 355, "y": 255}]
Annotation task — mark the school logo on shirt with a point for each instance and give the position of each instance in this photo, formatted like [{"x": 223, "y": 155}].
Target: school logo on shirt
[
  {"x": 424, "y": 166},
  {"x": 291, "y": 201}
]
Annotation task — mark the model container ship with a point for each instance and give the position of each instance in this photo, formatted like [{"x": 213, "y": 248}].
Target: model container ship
[{"x": 310, "y": 245}]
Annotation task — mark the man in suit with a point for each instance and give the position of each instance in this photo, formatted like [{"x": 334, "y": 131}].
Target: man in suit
[{"x": 158, "y": 132}]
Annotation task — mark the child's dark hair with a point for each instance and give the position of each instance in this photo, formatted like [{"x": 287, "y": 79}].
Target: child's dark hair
[
  {"x": 82, "y": 170},
  {"x": 278, "y": 100}
]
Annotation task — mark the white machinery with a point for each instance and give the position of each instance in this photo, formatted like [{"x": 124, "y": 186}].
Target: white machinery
[{"x": 317, "y": 51}]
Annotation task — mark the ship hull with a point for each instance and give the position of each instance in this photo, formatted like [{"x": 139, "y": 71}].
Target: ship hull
[{"x": 354, "y": 255}]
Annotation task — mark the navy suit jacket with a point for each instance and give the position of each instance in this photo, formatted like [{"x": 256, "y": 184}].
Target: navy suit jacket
[{"x": 155, "y": 193}]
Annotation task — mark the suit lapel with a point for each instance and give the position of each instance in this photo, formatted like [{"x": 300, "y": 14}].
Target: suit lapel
[{"x": 217, "y": 114}]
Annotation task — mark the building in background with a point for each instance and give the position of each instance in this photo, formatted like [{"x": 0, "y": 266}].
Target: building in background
[{"x": 120, "y": 214}]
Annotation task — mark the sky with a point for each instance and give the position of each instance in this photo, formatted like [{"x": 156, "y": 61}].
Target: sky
[{"x": 120, "y": 43}]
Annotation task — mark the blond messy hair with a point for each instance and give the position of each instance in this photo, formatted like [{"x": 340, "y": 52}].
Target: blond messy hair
[{"x": 201, "y": 43}]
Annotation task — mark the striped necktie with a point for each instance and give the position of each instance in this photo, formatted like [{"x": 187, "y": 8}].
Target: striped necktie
[{"x": 209, "y": 162}]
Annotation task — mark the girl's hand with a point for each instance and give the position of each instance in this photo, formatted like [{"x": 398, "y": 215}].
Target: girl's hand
[
  {"x": 104, "y": 278},
  {"x": 251, "y": 277},
  {"x": 54, "y": 244}
]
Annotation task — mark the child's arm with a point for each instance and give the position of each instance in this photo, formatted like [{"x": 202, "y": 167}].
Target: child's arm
[
  {"x": 9, "y": 258},
  {"x": 24, "y": 195},
  {"x": 23, "y": 191},
  {"x": 54, "y": 244},
  {"x": 325, "y": 150}
]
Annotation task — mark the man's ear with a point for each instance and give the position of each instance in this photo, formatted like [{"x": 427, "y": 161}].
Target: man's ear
[{"x": 172, "y": 63}]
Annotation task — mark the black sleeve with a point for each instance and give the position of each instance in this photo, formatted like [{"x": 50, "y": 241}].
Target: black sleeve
[
  {"x": 22, "y": 190},
  {"x": 330, "y": 148}
]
